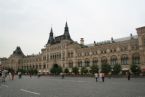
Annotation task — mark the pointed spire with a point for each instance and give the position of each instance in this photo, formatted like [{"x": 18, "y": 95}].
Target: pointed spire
[
  {"x": 50, "y": 40},
  {"x": 51, "y": 31},
  {"x": 66, "y": 32},
  {"x": 66, "y": 24}
]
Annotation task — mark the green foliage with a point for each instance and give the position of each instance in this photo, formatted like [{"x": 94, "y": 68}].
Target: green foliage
[
  {"x": 94, "y": 69},
  {"x": 116, "y": 69},
  {"x": 66, "y": 70},
  {"x": 23, "y": 71},
  {"x": 105, "y": 68},
  {"x": 84, "y": 70},
  {"x": 135, "y": 69},
  {"x": 75, "y": 70},
  {"x": 10, "y": 70},
  {"x": 56, "y": 69},
  {"x": 32, "y": 71}
]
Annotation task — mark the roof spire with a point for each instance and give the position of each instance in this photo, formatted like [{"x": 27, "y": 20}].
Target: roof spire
[
  {"x": 66, "y": 31},
  {"x": 66, "y": 24},
  {"x": 50, "y": 40},
  {"x": 51, "y": 31}
]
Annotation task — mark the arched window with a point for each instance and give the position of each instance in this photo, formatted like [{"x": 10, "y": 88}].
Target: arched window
[
  {"x": 87, "y": 62},
  {"x": 79, "y": 63},
  {"x": 113, "y": 60},
  {"x": 36, "y": 66},
  {"x": 95, "y": 61},
  {"x": 124, "y": 59},
  {"x": 44, "y": 66},
  {"x": 70, "y": 64},
  {"x": 135, "y": 58},
  {"x": 104, "y": 60},
  {"x": 39, "y": 66}
]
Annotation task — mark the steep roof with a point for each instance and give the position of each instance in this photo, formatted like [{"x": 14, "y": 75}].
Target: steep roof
[{"x": 18, "y": 52}]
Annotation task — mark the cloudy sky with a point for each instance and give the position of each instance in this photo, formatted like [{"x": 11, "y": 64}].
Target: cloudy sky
[{"x": 27, "y": 23}]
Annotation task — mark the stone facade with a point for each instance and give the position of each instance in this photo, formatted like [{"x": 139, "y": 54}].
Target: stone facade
[{"x": 62, "y": 50}]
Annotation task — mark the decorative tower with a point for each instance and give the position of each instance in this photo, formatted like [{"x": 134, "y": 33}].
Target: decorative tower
[
  {"x": 66, "y": 32},
  {"x": 51, "y": 39},
  {"x": 141, "y": 42}
]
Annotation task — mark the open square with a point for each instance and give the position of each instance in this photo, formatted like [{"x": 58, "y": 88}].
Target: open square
[{"x": 72, "y": 87}]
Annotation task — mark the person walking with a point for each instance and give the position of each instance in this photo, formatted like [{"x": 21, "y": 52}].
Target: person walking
[
  {"x": 110, "y": 74},
  {"x": 100, "y": 76},
  {"x": 13, "y": 75},
  {"x": 103, "y": 77},
  {"x": 10, "y": 75},
  {"x": 4, "y": 75},
  {"x": 96, "y": 76},
  {"x": 62, "y": 75},
  {"x": 38, "y": 75},
  {"x": 19, "y": 74},
  {"x": 128, "y": 75}
]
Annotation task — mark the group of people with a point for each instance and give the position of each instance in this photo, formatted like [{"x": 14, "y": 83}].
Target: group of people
[
  {"x": 100, "y": 77},
  {"x": 10, "y": 74},
  {"x": 3, "y": 75}
]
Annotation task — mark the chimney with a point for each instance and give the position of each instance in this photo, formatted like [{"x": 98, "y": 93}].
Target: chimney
[{"x": 82, "y": 41}]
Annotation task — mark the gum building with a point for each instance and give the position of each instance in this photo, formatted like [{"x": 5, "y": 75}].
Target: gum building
[{"x": 67, "y": 53}]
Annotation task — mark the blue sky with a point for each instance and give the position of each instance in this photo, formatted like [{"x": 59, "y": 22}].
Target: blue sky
[{"x": 27, "y": 23}]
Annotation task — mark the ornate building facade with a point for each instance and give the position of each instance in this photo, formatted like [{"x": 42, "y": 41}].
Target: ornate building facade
[{"x": 62, "y": 50}]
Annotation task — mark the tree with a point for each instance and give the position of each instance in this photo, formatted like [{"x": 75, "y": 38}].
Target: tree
[
  {"x": 75, "y": 70},
  {"x": 32, "y": 71},
  {"x": 66, "y": 70},
  {"x": 23, "y": 71},
  {"x": 10, "y": 70},
  {"x": 135, "y": 69},
  {"x": 105, "y": 68},
  {"x": 94, "y": 69},
  {"x": 84, "y": 70},
  {"x": 116, "y": 69},
  {"x": 56, "y": 69}
]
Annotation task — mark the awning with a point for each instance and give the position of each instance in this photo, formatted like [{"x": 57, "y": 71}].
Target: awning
[{"x": 125, "y": 69}]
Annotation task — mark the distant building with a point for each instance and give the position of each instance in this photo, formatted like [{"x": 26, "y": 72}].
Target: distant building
[
  {"x": 0, "y": 65},
  {"x": 62, "y": 50},
  {"x": 3, "y": 61}
]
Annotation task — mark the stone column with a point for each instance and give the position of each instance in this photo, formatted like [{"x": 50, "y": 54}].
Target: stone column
[
  {"x": 74, "y": 59},
  {"x": 119, "y": 59},
  {"x": 130, "y": 59},
  {"x": 99, "y": 64},
  {"x": 108, "y": 60},
  {"x": 91, "y": 62}
]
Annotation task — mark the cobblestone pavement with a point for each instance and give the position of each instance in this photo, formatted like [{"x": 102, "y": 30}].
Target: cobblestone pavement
[{"x": 72, "y": 87}]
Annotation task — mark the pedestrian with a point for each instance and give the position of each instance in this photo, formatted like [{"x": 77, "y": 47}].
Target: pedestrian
[
  {"x": 103, "y": 77},
  {"x": 62, "y": 75},
  {"x": 19, "y": 74},
  {"x": 100, "y": 76},
  {"x": 0, "y": 73},
  {"x": 30, "y": 74},
  {"x": 13, "y": 74},
  {"x": 10, "y": 75},
  {"x": 3, "y": 76},
  {"x": 96, "y": 76},
  {"x": 39, "y": 74},
  {"x": 110, "y": 74},
  {"x": 128, "y": 75}
]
